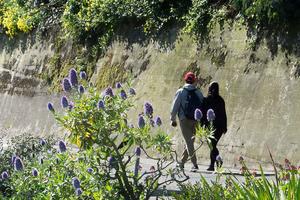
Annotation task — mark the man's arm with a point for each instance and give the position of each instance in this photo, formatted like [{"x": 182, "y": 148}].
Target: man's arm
[{"x": 175, "y": 105}]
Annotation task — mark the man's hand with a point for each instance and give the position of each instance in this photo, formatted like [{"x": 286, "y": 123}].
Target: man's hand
[{"x": 173, "y": 123}]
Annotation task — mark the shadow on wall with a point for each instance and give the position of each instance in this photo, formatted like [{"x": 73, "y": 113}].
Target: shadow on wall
[
  {"x": 287, "y": 38},
  {"x": 130, "y": 34}
]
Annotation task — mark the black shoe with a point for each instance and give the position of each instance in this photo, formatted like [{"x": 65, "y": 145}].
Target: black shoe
[
  {"x": 194, "y": 168},
  {"x": 211, "y": 168}
]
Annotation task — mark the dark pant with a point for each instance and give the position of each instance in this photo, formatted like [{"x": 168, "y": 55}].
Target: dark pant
[{"x": 214, "y": 151}]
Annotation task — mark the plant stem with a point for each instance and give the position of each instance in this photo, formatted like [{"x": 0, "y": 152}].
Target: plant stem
[{"x": 123, "y": 178}]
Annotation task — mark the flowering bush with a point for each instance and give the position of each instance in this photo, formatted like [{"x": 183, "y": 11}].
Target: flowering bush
[
  {"x": 100, "y": 158},
  {"x": 18, "y": 16}
]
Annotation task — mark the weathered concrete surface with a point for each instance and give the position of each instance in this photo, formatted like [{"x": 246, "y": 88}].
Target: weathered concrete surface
[
  {"x": 23, "y": 99},
  {"x": 260, "y": 91}
]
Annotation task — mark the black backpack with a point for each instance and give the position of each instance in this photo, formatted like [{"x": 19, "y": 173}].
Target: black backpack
[{"x": 192, "y": 103}]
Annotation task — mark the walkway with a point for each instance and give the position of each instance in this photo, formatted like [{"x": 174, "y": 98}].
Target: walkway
[{"x": 195, "y": 177}]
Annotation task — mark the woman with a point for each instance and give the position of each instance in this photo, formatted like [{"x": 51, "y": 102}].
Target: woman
[{"x": 216, "y": 102}]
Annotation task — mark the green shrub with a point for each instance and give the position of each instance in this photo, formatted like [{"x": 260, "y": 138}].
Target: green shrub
[
  {"x": 90, "y": 19},
  {"x": 18, "y": 16},
  {"x": 268, "y": 14},
  {"x": 287, "y": 186}
]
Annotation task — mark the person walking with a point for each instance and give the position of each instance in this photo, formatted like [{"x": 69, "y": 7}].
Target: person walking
[
  {"x": 185, "y": 102},
  {"x": 215, "y": 102}
]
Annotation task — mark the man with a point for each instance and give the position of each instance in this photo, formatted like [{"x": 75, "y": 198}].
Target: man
[
  {"x": 215, "y": 102},
  {"x": 185, "y": 100}
]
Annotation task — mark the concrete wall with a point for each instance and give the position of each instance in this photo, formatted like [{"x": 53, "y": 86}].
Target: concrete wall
[
  {"x": 23, "y": 97},
  {"x": 261, "y": 90}
]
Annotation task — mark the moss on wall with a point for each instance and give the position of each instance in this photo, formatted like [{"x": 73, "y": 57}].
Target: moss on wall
[
  {"x": 81, "y": 58},
  {"x": 68, "y": 55},
  {"x": 109, "y": 74}
]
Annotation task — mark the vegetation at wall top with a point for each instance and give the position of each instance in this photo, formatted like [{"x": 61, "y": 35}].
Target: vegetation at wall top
[{"x": 89, "y": 18}]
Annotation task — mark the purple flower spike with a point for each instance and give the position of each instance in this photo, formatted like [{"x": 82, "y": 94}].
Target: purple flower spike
[
  {"x": 123, "y": 94},
  {"x": 100, "y": 104},
  {"x": 81, "y": 89},
  {"x": 211, "y": 115},
  {"x": 73, "y": 77},
  {"x": 50, "y": 107},
  {"x": 13, "y": 158},
  {"x": 66, "y": 85},
  {"x": 42, "y": 142},
  {"x": 198, "y": 114},
  {"x": 148, "y": 109},
  {"x": 75, "y": 182},
  {"x": 64, "y": 102},
  {"x": 141, "y": 122},
  {"x": 78, "y": 191},
  {"x": 62, "y": 146},
  {"x": 118, "y": 85},
  {"x": 35, "y": 172},
  {"x": 71, "y": 105},
  {"x": 158, "y": 121},
  {"x": 82, "y": 75},
  {"x": 138, "y": 151},
  {"x": 108, "y": 92},
  {"x": 4, "y": 175},
  {"x": 90, "y": 170},
  {"x": 132, "y": 91},
  {"x": 18, "y": 164}
]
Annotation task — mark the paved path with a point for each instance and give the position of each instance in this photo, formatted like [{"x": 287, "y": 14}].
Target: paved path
[{"x": 195, "y": 177}]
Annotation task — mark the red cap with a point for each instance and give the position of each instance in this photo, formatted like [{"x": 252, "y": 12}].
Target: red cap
[{"x": 190, "y": 77}]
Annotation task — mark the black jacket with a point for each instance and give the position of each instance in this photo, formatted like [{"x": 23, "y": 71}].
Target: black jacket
[{"x": 216, "y": 102}]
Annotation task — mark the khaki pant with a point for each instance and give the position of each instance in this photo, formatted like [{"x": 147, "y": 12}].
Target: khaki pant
[{"x": 188, "y": 129}]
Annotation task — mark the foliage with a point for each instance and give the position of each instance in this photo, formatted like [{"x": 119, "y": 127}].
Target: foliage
[
  {"x": 98, "y": 122},
  {"x": 99, "y": 19},
  {"x": 199, "y": 18},
  {"x": 268, "y": 13},
  {"x": 26, "y": 146},
  {"x": 106, "y": 157},
  {"x": 205, "y": 134},
  {"x": 95, "y": 22},
  {"x": 18, "y": 16},
  {"x": 286, "y": 187}
]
